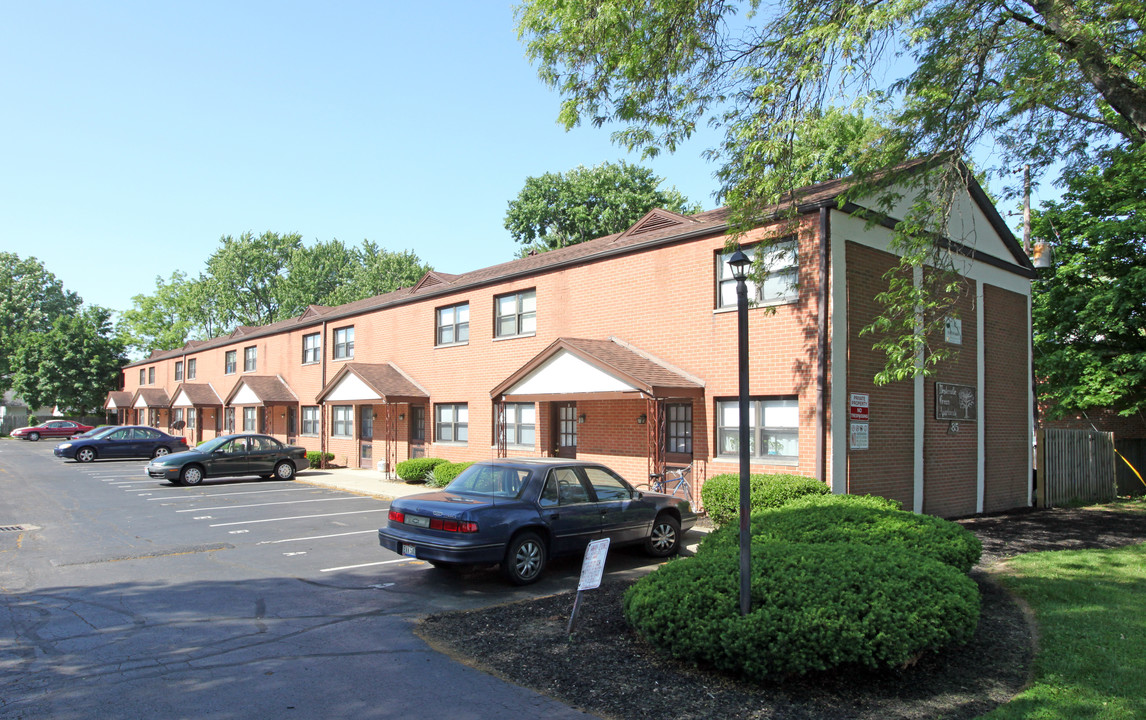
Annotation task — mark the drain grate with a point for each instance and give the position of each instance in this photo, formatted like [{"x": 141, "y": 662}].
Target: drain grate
[{"x": 17, "y": 528}]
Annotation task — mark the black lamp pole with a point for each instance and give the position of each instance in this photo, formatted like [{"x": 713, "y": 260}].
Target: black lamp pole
[{"x": 740, "y": 263}]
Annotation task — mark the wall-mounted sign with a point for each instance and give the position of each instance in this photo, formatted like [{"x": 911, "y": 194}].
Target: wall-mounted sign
[
  {"x": 955, "y": 402},
  {"x": 858, "y": 436},
  {"x": 953, "y": 330},
  {"x": 858, "y": 406}
]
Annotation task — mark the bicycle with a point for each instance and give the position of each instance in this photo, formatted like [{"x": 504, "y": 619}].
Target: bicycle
[{"x": 673, "y": 481}]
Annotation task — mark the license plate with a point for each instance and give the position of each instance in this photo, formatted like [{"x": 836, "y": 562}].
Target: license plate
[
  {"x": 408, "y": 550},
  {"x": 418, "y": 521}
]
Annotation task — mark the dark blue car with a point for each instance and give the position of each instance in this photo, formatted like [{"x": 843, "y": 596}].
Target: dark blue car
[
  {"x": 131, "y": 441},
  {"x": 521, "y": 512}
]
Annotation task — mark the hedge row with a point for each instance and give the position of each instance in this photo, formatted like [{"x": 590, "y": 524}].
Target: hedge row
[
  {"x": 814, "y": 607},
  {"x": 315, "y": 458},
  {"x": 415, "y": 469},
  {"x": 721, "y": 493},
  {"x": 443, "y": 474}
]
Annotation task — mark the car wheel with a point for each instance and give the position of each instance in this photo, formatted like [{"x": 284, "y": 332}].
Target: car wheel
[
  {"x": 33, "y": 436},
  {"x": 284, "y": 471},
  {"x": 191, "y": 475},
  {"x": 160, "y": 452},
  {"x": 85, "y": 454},
  {"x": 524, "y": 559},
  {"x": 664, "y": 540}
]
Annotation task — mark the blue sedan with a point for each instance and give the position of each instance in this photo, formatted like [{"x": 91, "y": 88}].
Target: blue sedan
[
  {"x": 132, "y": 441},
  {"x": 521, "y": 512}
]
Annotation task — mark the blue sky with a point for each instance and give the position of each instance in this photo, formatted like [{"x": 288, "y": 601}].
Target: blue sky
[{"x": 136, "y": 134}]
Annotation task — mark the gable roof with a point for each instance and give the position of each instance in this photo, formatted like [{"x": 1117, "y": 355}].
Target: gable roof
[
  {"x": 267, "y": 388},
  {"x": 199, "y": 394},
  {"x": 117, "y": 399},
  {"x": 385, "y": 380},
  {"x": 152, "y": 397}
]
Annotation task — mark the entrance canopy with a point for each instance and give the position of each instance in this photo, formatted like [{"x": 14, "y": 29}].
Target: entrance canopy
[
  {"x": 117, "y": 400},
  {"x": 195, "y": 395},
  {"x": 261, "y": 390},
  {"x": 383, "y": 383},
  {"x": 580, "y": 369},
  {"x": 150, "y": 398}
]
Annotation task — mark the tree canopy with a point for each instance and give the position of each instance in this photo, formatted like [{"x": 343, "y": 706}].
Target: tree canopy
[
  {"x": 1089, "y": 310},
  {"x": 31, "y": 299},
  {"x": 559, "y": 209},
  {"x": 1043, "y": 81}
]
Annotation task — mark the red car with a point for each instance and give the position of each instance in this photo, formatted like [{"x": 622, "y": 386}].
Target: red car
[{"x": 51, "y": 429}]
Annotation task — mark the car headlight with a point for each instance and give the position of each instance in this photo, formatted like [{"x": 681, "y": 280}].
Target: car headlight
[{"x": 65, "y": 446}]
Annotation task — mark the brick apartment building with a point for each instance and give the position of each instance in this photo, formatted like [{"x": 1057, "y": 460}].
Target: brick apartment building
[{"x": 623, "y": 350}]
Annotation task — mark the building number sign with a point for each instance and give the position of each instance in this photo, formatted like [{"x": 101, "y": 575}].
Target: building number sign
[{"x": 955, "y": 402}]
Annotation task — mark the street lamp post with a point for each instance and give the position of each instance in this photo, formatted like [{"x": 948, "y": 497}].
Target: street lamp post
[{"x": 739, "y": 263}]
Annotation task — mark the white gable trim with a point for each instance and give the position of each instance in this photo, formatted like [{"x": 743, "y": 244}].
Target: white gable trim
[
  {"x": 140, "y": 403},
  {"x": 182, "y": 401},
  {"x": 568, "y": 374},
  {"x": 351, "y": 389},
  {"x": 246, "y": 396}
]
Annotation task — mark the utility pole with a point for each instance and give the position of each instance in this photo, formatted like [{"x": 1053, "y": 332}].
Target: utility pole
[{"x": 1027, "y": 209}]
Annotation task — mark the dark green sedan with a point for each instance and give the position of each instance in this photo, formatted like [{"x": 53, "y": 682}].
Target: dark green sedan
[{"x": 231, "y": 456}]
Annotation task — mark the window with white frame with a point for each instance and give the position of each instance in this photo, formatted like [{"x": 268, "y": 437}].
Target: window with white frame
[
  {"x": 178, "y": 371},
  {"x": 250, "y": 419},
  {"x": 342, "y": 421},
  {"x": 230, "y": 362},
  {"x": 521, "y": 424},
  {"x": 310, "y": 420},
  {"x": 250, "y": 358},
  {"x": 773, "y": 426},
  {"x": 678, "y": 428},
  {"x": 344, "y": 343},
  {"x": 191, "y": 369},
  {"x": 452, "y": 325},
  {"x": 191, "y": 419},
  {"x": 142, "y": 376},
  {"x": 515, "y": 314},
  {"x": 781, "y": 273},
  {"x": 311, "y": 348},
  {"x": 451, "y": 423},
  {"x": 176, "y": 416}
]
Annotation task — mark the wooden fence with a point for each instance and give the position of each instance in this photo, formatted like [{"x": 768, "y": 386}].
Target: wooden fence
[{"x": 1074, "y": 466}]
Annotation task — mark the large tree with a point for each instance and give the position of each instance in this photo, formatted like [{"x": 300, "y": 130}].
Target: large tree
[
  {"x": 247, "y": 273},
  {"x": 73, "y": 365},
  {"x": 558, "y": 209},
  {"x": 31, "y": 298},
  {"x": 1089, "y": 310},
  {"x": 180, "y": 309},
  {"x": 1044, "y": 80}
]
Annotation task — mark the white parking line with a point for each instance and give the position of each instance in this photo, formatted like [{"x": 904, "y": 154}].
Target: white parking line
[
  {"x": 312, "y": 537},
  {"x": 248, "y": 492},
  {"x": 298, "y": 517},
  {"x": 285, "y": 502},
  {"x": 384, "y": 562}
]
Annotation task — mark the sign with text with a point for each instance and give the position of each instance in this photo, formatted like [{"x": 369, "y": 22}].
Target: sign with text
[
  {"x": 955, "y": 402},
  {"x": 858, "y": 406},
  {"x": 593, "y": 566},
  {"x": 858, "y": 436}
]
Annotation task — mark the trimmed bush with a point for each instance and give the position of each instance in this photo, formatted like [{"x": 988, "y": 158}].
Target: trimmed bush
[
  {"x": 838, "y": 519},
  {"x": 315, "y": 458},
  {"x": 443, "y": 474},
  {"x": 814, "y": 607},
  {"x": 721, "y": 493},
  {"x": 414, "y": 470}
]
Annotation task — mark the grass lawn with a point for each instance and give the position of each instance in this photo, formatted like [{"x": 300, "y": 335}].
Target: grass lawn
[{"x": 1091, "y": 611}]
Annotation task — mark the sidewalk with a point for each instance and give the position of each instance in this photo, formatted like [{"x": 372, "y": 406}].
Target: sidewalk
[{"x": 372, "y": 482}]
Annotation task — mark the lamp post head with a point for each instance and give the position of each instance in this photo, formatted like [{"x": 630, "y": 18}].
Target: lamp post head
[
  {"x": 739, "y": 262},
  {"x": 1042, "y": 256}
]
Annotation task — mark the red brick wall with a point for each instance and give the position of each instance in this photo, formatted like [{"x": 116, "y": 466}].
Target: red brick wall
[
  {"x": 1006, "y": 414},
  {"x": 887, "y": 467}
]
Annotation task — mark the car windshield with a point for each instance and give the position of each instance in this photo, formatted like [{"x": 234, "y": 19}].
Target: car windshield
[
  {"x": 213, "y": 444},
  {"x": 494, "y": 480}
]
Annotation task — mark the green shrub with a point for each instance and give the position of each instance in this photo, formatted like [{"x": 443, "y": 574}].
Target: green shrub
[
  {"x": 721, "y": 493},
  {"x": 814, "y": 607},
  {"x": 315, "y": 458},
  {"x": 414, "y": 470},
  {"x": 849, "y": 519},
  {"x": 444, "y": 474}
]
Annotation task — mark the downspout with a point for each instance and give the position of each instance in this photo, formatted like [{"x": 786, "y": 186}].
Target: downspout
[
  {"x": 822, "y": 344},
  {"x": 322, "y": 408}
]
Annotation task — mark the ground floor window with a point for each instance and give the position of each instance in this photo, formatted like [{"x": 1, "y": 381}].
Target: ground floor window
[
  {"x": 773, "y": 424},
  {"x": 310, "y": 420},
  {"x": 229, "y": 422},
  {"x": 176, "y": 417},
  {"x": 250, "y": 419},
  {"x": 191, "y": 413},
  {"x": 521, "y": 424},
  {"x": 451, "y": 423},
  {"x": 342, "y": 421}
]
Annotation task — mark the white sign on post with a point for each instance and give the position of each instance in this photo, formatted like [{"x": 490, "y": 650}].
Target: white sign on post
[{"x": 594, "y": 565}]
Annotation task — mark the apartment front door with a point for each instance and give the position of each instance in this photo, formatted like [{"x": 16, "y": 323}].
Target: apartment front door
[{"x": 565, "y": 430}]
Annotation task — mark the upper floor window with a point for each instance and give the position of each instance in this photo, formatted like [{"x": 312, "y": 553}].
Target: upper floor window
[
  {"x": 250, "y": 358},
  {"x": 151, "y": 376},
  {"x": 520, "y": 424},
  {"x": 179, "y": 370},
  {"x": 344, "y": 343},
  {"x": 773, "y": 427},
  {"x": 516, "y": 314},
  {"x": 311, "y": 348},
  {"x": 453, "y": 324},
  {"x": 781, "y": 273},
  {"x": 230, "y": 362},
  {"x": 451, "y": 423},
  {"x": 191, "y": 369},
  {"x": 142, "y": 376}
]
